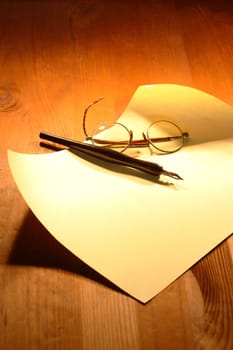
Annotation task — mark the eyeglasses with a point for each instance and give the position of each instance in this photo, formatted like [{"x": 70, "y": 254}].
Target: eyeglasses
[{"x": 163, "y": 136}]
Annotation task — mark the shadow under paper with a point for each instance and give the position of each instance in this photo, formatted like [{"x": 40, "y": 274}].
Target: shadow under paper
[{"x": 35, "y": 246}]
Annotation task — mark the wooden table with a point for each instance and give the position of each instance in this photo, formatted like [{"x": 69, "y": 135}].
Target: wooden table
[{"x": 55, "y": 58}]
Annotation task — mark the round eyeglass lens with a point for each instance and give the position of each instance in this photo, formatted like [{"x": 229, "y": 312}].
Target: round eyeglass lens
[
  {"x": 111, "y": 135},
  {"x": 165, "y": 136}
]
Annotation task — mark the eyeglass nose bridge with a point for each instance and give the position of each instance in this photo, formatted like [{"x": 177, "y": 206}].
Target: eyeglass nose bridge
[
  {"x": 130, "y": 137},
  {"x": 138, "y": 143},
  {"x": 144, "y": 137}
]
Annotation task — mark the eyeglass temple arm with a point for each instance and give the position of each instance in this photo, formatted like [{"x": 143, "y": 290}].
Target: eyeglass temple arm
[
  {"x": 110, "y": 155},
  {"x": 85, "y": 114},
  {"x": 142, "y": 142}
]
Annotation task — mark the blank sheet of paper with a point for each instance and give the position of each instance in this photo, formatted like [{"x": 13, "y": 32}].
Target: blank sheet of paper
[{"x": 138, "y": 233}]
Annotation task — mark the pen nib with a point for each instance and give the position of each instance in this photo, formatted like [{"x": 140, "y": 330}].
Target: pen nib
[{"x": 171, "y": 174}]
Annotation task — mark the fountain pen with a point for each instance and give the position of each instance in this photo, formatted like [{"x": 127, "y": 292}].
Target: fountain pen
[{"x": 110, "y": 155}]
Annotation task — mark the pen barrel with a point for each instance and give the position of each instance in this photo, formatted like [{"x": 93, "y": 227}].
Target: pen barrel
[{"x": 106, "y": 154}]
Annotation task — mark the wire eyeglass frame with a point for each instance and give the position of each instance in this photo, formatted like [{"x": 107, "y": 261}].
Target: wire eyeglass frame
[{"x": 146, "y": 141}]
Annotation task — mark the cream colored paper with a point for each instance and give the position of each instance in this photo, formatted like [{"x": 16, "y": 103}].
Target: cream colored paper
[{"x": 139, "y": 234}]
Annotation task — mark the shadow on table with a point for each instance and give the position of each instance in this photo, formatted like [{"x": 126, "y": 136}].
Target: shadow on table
[{"x": 35, "y": 246}]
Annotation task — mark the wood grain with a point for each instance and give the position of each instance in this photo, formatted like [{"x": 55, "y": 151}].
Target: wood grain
[{"x": 55, "y": 58}]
